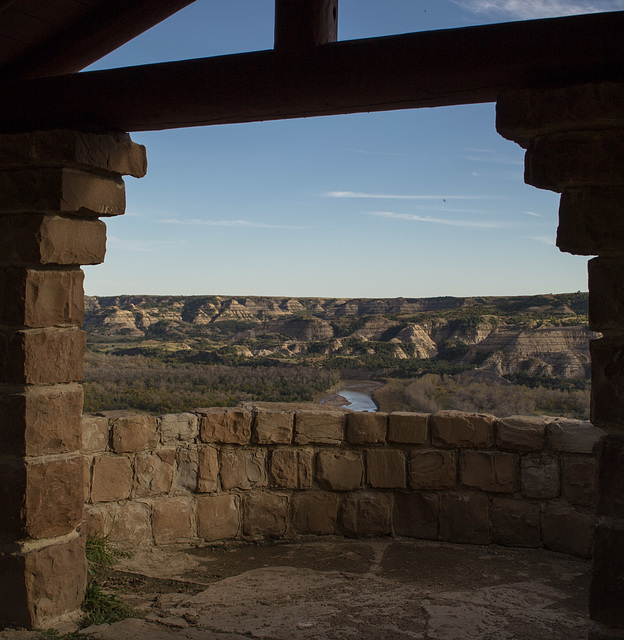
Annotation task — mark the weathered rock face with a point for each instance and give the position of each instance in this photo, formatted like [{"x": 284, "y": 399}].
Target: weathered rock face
[
  {"x": 551, "y": 351},
  {"x": 424, "y": 346},
  {"x": 343, "y": 327},
  {"x": 307, "y": 329},
  {"x": 375, "y": 328}
]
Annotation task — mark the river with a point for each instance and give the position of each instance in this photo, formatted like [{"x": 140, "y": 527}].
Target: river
[{"x": 354, "y": 395}]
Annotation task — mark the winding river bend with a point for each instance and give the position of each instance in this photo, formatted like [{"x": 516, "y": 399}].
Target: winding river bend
[{"x": 354, "y": 395}]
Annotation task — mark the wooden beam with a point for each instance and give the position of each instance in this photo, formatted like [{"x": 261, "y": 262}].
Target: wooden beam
[
  {"x": 104, "y": 29},
  {"x": 305, "y": 24},
  {"x": 437, "y": 68},
  {"x": 5, "y": 4}
]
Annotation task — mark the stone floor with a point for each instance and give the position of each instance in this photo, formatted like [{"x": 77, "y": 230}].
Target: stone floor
[{"x": 350, "y": 590}]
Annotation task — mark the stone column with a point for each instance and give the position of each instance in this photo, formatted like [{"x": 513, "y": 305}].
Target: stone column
[
  {"x": 574, "y": 138},
  {"x": 53, "y": 187}
]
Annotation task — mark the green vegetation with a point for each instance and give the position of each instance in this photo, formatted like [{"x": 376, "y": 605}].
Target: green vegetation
[
  {"x": 136, "y": 382},
  {"x": 430, "y": 392},
  {"x": 100, "y": 607}
]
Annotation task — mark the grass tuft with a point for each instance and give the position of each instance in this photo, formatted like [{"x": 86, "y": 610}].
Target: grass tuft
[{"x": 98, "y": 606}]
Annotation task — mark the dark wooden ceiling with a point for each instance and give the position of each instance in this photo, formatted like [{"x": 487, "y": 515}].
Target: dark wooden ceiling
[
  {"x": 43, "y": 44},
  {"x": 43, "y": 38}
]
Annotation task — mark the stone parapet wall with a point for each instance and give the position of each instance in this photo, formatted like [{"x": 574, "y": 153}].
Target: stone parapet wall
[{"x": 254, "y": 473}]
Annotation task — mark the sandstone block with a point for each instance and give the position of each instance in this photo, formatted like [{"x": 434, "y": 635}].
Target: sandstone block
[
  {"x": 113, "y": 152},
  {"x": 243, "y": 468},
  {"x": 366, "y": 428},
  {"x": 40, "y": 499},
  {"x": 339, "y": 470},
  {"x": 489, "y": 471},
  {"x": 172, "y": 520},
  {"x": 208, "y": 472},
  {"x": 319, "y": 427},
  {"x": 229, "y": 426},
  {"x": 408, "y": 428},
  {"x": 606, "y": 293},
  {"x": 315, "y": 512},
  {"x": 272, "y": 427},
  {"x": 62, "y": 189},
  {"x": 432, "y": 470},
  {"x": 186, "y": 475},
  {"x": 53, "y": 497},
  {"x": 87, "y": 463},
  {"x": 522, "y": 114},
  {"x": 30, "y": 239},
  {"x": 609, "y": 453},
  {"x": 457, "y": 429},
  {"x": 574, "y": 436},
  {"x": 41, "y": 298},
  {"x": 366, "y": 515},
  {"x": 41, "y": 420},
  {"x": 567, "y": 530},
  {"x": 99, "y": 519},
  {"x": 176, "y": 427},
  {"x": 607, "y": 587},
  {"x": 95, "y": 433},
  {"x": 41, "y": 356},
  {"x": 217, "y": 517},
  {"x": 292, "y": 468},
  {"x": 111, "y": 478},
  {"x": 464, "y": 517},
  {"x": 33, "y": 592},
  {"x": 576, "y": 159},
  {"x": 607, "y": 384},
  {"x": 521, "y": 433},
  {"x": 134, "y": 433},
  {"x": 515, "y": 523},
  {"x": 265, "y": 514},
  {"x": 539, "y": 474},
  {"x": 386, "y": 469},
  {"x": 153, "y": 472},
  {"x": 132, "y": 527},
  {"x": 416, "y": 515},
  {"x": 591, "y": 221},
  {"x": 579, "y": 479}
]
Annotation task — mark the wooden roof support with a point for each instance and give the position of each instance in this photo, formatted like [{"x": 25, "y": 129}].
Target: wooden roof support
[
  {"x": 436, "y": 68},
  {"x": 104, "y": 29},
  {"x": 305, "y": 24}
]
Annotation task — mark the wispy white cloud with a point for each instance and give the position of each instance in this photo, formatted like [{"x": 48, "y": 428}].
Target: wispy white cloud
[
  {"x": 475, "y": 224},
  {"x": 549, "y": 240},
  {"x": 529, "y": 9},
  {"x": 392, "y": 196},
  {"x": 385, "y": 153},
  {"x": 126, "y": 244},
  {"x": 532, "y": 213},
  {"x": 227, "y": 223}
]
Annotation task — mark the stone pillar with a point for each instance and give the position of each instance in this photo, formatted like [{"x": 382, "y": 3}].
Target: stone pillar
[
  {"x": 574, "y": 138},
  {"x": 53, "y": 187}
]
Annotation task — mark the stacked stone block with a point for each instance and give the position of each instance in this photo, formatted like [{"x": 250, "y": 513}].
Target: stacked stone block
[
  {"x": 254, "y": 473},
  {"x": 53, "y": 188},
  {"x": 574, "y": 138}
]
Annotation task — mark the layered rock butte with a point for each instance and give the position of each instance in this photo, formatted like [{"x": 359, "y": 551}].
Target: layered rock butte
[{"x": 539, "y": 335}]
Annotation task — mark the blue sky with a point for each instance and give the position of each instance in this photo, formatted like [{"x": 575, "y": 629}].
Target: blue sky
[{"x": 425, "y": 202}]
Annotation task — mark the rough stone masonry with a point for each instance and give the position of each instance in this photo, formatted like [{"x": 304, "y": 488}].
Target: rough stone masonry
[
  {"x": 54, "y": 186},
  {"x": 254, "y": 473}
]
